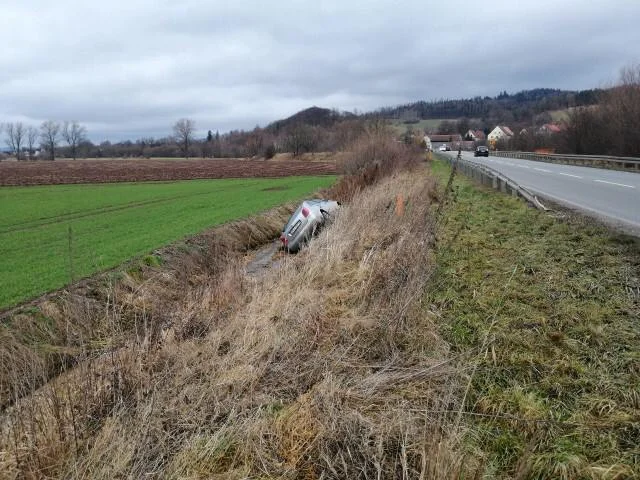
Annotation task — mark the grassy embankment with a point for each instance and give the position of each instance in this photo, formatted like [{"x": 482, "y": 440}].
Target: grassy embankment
[
  {"x": 51, "y": 235},
  {"x": 544, "y": 316}
]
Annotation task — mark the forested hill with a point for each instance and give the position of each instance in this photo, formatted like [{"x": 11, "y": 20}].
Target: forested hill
[
  {"x": 515, "y": 107},
  {"x": 314, "y": 116}
]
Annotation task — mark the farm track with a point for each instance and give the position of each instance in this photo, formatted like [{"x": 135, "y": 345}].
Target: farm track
[{"x": 109, "y": 171}]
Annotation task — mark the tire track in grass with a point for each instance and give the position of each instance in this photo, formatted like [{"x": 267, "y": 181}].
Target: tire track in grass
[{"x": 32, "y": 224}]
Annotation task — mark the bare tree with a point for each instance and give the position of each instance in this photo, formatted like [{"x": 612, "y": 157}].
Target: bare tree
[
  {"x": 300, "y": 139},
  {"x": 32, "y": 136},
  {"x": 255, "y": 142},
  {"x": 463, "y": 125},
  {"x": 622, "y": 107},
  {"x": 49, "y": 131},
  {"x": 15, "y": 136},
  {"x": 447, "y": 127},
  {"x": 74, "y": 134},
  {"x": 183, "y": 132},
  {"x": 374, "y": 126}
]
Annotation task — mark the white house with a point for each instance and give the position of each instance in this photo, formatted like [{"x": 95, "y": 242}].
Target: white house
[
  {"x": 499, "y": 133},
  {"x": 476, "y": 135},
  {"x": 427, "y": 142}
]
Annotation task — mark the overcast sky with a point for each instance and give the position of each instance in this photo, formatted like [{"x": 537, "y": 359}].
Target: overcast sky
[{"x": 131, "y": 68}]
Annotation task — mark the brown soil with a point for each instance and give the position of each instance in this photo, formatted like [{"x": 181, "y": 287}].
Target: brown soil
[{"x": 107, "y": 171}]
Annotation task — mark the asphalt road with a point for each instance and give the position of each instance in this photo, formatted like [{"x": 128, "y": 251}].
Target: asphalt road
[{"x": 609, "y": 195}]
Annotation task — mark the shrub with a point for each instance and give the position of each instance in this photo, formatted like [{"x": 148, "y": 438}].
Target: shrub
[
  {"x": 269, "y": 152},
  {"x": 373, "y": 156}
]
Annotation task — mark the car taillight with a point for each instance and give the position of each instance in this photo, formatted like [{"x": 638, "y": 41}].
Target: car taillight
[
  {"x": 284, "y": 239},
  {"x": 305, "y": 212}
]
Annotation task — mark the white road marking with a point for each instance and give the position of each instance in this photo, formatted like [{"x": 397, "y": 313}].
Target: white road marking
[
  {"x": 569, "y": 175},
  {"x": 613, "y": 183},
  {"x": 600, "y": 213},
  {"x": 542, "y": 170},
  {"x": 524, "y": 166}
]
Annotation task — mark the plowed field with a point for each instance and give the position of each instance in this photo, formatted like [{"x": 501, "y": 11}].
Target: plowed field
[{"x": 107, "y": 171}]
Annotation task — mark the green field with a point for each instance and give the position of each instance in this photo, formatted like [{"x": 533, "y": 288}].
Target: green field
[
  {"x": 110, "y": 223},
  {"x": 560, "y": 116},
  {"x": 425, "y": 124}
]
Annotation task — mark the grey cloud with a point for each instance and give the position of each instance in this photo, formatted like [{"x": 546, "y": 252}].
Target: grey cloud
[{"x": 127, "y": 69}]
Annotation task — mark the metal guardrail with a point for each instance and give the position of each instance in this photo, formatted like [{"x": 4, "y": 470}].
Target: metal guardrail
[
  {"x": 627, "y": 164},
  {"x": 489, "y": 177}
]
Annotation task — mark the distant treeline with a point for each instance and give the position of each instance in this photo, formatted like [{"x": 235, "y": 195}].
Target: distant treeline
[
  {"x": 503, "y": 109},
  {"x": 294, "y": 136}
]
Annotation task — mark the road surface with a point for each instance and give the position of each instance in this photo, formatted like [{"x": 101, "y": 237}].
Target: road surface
[{"x": 609, "y": 195}]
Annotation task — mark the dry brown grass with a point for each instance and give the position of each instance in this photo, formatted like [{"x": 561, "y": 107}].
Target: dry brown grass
[
  {"x": 325, "y": 368},
  {"x": 373, "y": 156},
  {"x": 105, "y": 312}
]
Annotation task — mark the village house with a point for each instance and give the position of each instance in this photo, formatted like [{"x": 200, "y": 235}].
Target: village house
[
  {"x": 476, "y": 135},
  {"x": 549, "y": 128},
  {"x": 501, "y": 132}
]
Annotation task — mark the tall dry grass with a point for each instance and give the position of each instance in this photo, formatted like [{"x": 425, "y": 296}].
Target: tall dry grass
[
  {"x": 135, "y": 302},
  {"x": 373, "y": 156},
  {"x": 327, "y": 367}
]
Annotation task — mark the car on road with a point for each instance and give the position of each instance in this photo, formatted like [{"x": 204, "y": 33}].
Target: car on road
[
  {"x": 443, "y": 148},
  {"x": 306, "y": 221},
  {"x": 481, "y": 151}
]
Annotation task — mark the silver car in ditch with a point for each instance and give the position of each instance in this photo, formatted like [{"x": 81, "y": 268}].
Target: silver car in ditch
[{"x": 310, "y": 216}]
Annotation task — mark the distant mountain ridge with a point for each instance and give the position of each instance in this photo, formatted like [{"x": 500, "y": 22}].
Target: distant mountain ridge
[
  {"x": 505, "y": 107},
  {"x": 517, "y": 108}
]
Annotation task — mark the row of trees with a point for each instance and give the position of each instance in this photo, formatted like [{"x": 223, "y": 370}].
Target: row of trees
[
  {"x": 69, "y": 139},
  {"x": 518, "y": 108},
  {"x": 609, "y": 127},
  {"x": 297, "y": 138},
  {"x": 23, "y": 140}
]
